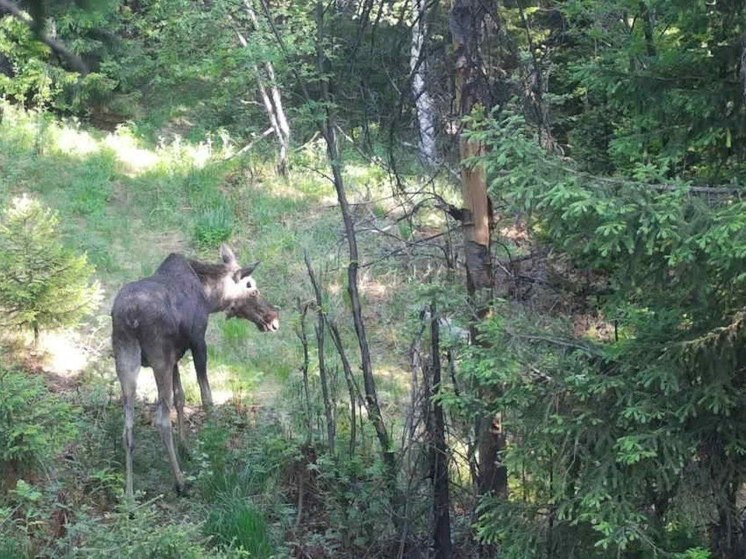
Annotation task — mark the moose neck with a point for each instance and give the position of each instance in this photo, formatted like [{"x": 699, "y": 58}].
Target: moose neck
[{"x": 216, "y": 282}]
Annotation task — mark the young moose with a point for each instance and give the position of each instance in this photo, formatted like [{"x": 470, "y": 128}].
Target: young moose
[{"x": 156, "y": 320}]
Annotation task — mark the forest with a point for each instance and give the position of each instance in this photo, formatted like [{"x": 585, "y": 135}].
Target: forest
[{"x": 493, "y": 251}]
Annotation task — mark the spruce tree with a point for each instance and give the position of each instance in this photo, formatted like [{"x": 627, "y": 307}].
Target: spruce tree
[{"x": 43, "y": 284}]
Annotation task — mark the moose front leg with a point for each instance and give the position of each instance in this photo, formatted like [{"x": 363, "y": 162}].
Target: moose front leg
[{"x": 199, "y": 354}]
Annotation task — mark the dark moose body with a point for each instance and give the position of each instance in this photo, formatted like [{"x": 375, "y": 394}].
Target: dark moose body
[{"x": 155, "y": 320}]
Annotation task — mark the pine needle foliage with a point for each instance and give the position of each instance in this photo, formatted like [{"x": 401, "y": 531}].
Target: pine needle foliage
[{"x": 43, "y": 284}]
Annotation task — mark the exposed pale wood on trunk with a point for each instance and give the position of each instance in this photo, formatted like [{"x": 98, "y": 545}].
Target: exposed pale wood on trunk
[
  {"x": 476, "y": 218},
  {"x": 467, "y": 22}
]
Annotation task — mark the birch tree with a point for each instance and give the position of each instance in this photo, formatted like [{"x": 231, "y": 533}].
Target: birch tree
[
  {"x": 427, "y": 117},
  {"x": 269, "y": 93}
]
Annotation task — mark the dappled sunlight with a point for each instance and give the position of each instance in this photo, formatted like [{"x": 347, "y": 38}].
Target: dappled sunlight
[
  {"x": 72, "y": 141},
  {"x": 374, "y": 290},
  {"x": 134, "y": 158},
  {"x": 334, "y": 287},
  {"x": 227, "y": 383},
  {"x": 394, "y": 384},
  {"x": 64, "y": 353}
]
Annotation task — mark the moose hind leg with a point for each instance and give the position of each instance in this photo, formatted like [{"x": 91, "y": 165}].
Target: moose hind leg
[
  {"x": 127, "y": 361},
  {"x": 179, "y": 400},
  {"x": 164, "y": 381}
]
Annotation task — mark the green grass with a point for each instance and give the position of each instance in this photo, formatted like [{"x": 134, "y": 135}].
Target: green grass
[
  {"x": 214, "y": 225},
  {"x": 14, "y": 547},
  {"x": 233, "y": 521},
  {"x": 128, "y": 205}
]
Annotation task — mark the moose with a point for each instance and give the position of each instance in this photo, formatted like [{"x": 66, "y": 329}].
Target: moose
[{"x": 155, "y": 320}]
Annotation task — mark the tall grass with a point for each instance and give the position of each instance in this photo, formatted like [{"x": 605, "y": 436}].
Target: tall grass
[{"x": 234, "y": 522}]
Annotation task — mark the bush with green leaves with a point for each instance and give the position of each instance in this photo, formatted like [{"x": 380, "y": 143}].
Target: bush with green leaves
[
  {"x": 43, "y": 284},
  {"x": 35, "y": 423},
  {"x": 28, "y": 78},
  {"x": 139, "y": 535}
]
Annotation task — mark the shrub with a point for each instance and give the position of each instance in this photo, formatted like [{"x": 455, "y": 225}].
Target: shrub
[
  {"x": 14, "y": 546},
  {"x": 42, "y": 283},
  {"x": 142, "y": 535},
  {"x": 34, "y": 423}
]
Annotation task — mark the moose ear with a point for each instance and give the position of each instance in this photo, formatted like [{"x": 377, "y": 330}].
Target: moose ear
[
  {"x": 226, "y": 253},
  {"x": 243, "y": 272}
]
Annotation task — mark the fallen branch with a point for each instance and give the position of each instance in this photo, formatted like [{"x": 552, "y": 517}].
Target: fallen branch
[{"x": 248, "y": 146}]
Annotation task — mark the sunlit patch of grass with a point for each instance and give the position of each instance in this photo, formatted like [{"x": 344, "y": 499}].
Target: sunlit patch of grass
[
  {"x": 133, "y": 159},
  {"x": 70, "y": 140}
]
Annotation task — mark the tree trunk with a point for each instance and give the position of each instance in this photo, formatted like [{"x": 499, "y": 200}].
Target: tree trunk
[
  {"x": 369, "y": 382},
  {"x": 301, "y": 333},
  {"x": 352, "y": 388},
  {"x": 331, "y": 426},
  {"x": 743, "y": 64},
  {"x": 468, "y": 21},
  {"x": 647, "y": 23},
  {"x": 726, "y": 538},
  {"x": 442, "y": 548},
  {"x": 424, "y": 104},
  {"x": 327, "y": 130},
  {"x": 472, "y": 91}
]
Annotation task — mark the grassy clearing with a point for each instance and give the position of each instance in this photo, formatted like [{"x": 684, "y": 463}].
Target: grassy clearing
[{"x": 128, "y": 205}]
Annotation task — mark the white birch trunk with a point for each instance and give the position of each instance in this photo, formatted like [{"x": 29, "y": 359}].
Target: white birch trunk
[
  {"x": 271, "y": 98},
  {"x": 424, "y": 104}
]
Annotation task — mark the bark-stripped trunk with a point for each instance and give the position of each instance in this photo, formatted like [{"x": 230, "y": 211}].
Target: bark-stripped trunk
[
  {"x": 468, "y": 21},
  {"x": 424, "y": 104},
  {"x": 472, "y": 90},
  {"x": 442, "y": 548}
]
